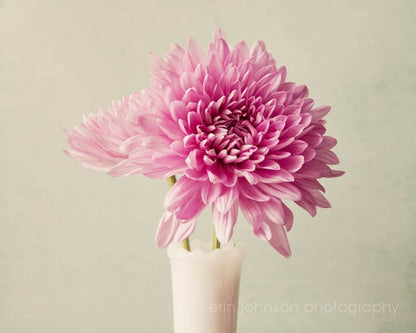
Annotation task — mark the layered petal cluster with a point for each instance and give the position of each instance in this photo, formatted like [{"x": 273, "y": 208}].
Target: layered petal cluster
[{"x": 229, "y": 123}]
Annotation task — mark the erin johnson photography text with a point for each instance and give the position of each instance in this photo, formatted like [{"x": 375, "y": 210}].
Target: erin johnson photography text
[{"x": 310, "y": 308}]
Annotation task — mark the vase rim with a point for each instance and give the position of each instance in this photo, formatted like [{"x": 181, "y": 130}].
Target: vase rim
[{"x": 202, "y": 250}]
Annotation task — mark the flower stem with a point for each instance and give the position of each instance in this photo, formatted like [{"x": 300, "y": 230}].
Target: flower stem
[
  {"x": 215, "y": 242},
  {"x": 186, "y": 245}
]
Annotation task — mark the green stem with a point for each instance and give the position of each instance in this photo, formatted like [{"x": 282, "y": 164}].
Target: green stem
[
  {"x": 171, "y": 181},
  {"x": 186, "y": 245},
  {"x": 215, "y": 242}
]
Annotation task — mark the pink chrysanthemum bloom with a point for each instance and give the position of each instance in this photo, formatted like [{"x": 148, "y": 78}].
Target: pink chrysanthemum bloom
[{"x": 230, "y": 124}]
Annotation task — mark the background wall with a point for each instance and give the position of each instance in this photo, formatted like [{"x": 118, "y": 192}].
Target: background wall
[{"x": 77, "y": 246}]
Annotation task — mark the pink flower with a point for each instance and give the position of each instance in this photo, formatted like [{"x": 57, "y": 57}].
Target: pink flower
[{"x": 240, "y": 135}]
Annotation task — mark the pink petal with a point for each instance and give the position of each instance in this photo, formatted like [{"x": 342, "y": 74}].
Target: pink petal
[
  {"x": 297, "y": 147},
  {"x": 279, "y": 239},
  {"x": 171, "y": 228},
  {"x": 125, "y": 168},
  {"x": 253, "y": 192},
  {"x": 185, "y": 229},
  {"x": 171, "y": 164},
  {"x": 272, "y": 176},
  {"x": 111, "y": 145},
  {"x": 239, "y": 54},
  {"x": 181, "y": 191},
  {"x": 210, "y": 192},
  {"x": 220, "y": 48},
  {"x": 184, "y": 199},
  {"x": 190, "y": 208},
  {"x": 273, "y": 210},
  {"x": 178, "y": 110},
  {"x": 224, "y": 222},
  {"x": 310, "y": 183},
  {"x": 292, "y": 163},
  {"x": 308, "y": 203},
  {"x": 320, "y": 199},
  {"x": 157, "y": 65},
  {"x": 288, "y": 217},
  {"x": 262, "y": 231},
  {"x": 195, "y": 50},
  {"x": 327, "y": 157},
  {"x": 226, "y": 199},
  {"x": 197, "y": 175},
  {"x": 194, "y": 159},
  {"x": 166, "y": 230},
  {"x": 148, "y": 124},
  {"x": 320, "y": 112},
  {"x": 286, "y": 191},
  {"x": 251, "y": 211},
  {"x": 333, "y": 173},
  {"x": 300, "y": 92},
  {"x": 327, "y": 143}
]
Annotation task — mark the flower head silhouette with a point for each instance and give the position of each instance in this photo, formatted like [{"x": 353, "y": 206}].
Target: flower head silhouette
[{"x": 227, "y": 120}]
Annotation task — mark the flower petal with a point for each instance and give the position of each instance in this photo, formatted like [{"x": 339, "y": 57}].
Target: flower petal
[
  {"x": 224, "y": 222},
  {"x": 288, "y": 217},
  {"x": 184, "y": 199},
  {"x": 166, "y": 230},
  {"x": 287, "y": 191},
  {"x": 185, "y": 229},
  {"x": 279, "y": 239},
  {"x": 226, "y": 199},
  {"x": 210, "y": 192},
  {"x": 125, "y": 168},
  {"x": 251, "y": 211}
]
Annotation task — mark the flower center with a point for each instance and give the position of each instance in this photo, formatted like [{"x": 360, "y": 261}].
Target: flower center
[{"x": 230, "y": 135}]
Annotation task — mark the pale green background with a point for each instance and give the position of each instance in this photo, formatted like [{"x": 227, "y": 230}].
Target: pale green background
[{"x": 77, "y": 246}]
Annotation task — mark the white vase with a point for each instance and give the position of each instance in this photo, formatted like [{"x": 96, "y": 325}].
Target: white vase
[{"x": 205, "y": 287}]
